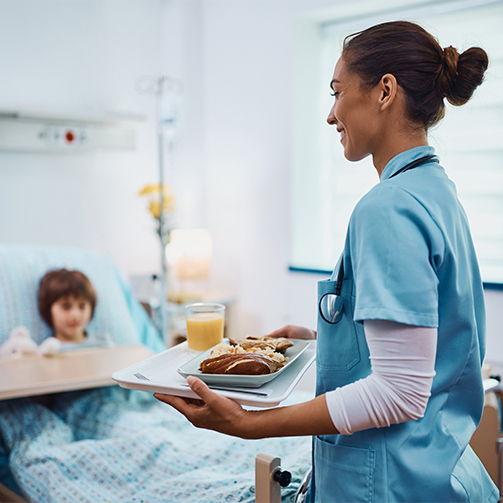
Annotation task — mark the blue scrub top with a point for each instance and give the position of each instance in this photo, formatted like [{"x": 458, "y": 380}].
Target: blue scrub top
[{"x": 409, "y": 258}]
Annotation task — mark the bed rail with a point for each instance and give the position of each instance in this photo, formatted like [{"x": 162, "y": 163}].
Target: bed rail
[{"x": 269, "y": 478}]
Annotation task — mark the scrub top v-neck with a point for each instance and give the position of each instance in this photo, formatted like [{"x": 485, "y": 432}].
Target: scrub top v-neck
[{"x": 408, "y": 258}]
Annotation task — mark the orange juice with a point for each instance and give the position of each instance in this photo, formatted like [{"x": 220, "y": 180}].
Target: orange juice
[{"x": 204, "y": 330}]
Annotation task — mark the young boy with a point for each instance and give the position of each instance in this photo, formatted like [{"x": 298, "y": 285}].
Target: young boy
[{"x": 66, "y": 301}]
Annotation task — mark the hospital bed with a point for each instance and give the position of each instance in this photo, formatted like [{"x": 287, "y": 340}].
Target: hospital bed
[
  {"x": 67, "y": 434},
  {"x": 487, "y": 441}
]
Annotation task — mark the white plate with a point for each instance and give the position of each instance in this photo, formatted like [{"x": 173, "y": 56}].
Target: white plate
[
  {"x": 158, "y": 374},
  {"x": 191, "y": 368}
]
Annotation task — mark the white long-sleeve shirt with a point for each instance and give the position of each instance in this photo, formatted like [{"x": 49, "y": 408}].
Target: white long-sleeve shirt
[{"x": 403, "y": 362}]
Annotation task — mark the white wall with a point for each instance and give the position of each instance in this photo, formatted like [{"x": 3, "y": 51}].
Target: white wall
[
  {"x": 230, "y": 169},
  {"x": 248, "y": 107},
  {"x": 80, "y": 55}
]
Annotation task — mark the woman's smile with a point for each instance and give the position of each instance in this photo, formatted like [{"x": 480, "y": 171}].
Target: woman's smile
[
  {"x": 353, "y": 113},
  {"x": 342, "y": 132}
]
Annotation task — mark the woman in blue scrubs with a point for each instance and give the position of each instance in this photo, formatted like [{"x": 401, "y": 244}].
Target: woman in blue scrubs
[{"x": 401, "y": 325}]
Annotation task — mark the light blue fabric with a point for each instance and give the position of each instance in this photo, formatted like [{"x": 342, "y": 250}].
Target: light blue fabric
[
  {"x": 6, "y": 477},
  {"x": 116, "y": 445},
  {"x": 408, "y": 258},
  {"x": 118, "y": 314}
]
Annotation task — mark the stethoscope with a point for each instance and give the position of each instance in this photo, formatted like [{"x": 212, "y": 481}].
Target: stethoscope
[{"x": 331, "y": 305}]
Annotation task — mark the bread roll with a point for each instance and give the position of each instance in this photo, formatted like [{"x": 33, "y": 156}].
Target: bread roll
[{"x": 242, "y": 364}]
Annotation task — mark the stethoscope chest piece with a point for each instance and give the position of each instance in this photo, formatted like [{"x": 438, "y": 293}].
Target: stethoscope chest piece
[{"x": 331, "y": 307}]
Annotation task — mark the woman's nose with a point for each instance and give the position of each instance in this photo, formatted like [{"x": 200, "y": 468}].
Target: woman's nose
[{"x": 331, "y": 118}]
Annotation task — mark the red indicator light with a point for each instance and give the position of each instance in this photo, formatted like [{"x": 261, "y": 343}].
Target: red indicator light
[{"x": 69, "y": 137}]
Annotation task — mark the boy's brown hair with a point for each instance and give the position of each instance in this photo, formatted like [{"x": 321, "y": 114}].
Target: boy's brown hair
[{"x": 63, "y": 283}]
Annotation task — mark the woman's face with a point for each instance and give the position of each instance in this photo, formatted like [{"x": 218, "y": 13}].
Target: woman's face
[
  {"x": 70, "y": 316},
  {"x": 354, "y": 113}
]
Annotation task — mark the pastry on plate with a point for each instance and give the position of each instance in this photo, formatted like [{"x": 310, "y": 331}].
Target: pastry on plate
[{"x": 242, "y": 363}]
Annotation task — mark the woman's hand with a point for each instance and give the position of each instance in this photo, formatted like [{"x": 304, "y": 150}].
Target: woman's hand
[
  {"x": 218, "y": 413},
  {"x": 294, "y": 332},
  {"x": 212, "y": 411}
]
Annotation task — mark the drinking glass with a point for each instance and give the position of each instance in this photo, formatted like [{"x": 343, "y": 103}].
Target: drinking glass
[{"x": 205, "y": 325}]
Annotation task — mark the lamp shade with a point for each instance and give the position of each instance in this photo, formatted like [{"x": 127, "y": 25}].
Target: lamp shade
[{"x": 189, "y": 253}]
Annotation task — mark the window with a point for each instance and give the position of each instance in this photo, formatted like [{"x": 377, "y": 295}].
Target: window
[{"x": 469, "y": 140}]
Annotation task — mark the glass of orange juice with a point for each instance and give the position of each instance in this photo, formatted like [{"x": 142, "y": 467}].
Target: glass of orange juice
[{"x": 205, "y": 325}]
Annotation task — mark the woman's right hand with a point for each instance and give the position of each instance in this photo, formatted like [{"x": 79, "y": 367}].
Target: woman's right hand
[{"x": 294, "y": 332}]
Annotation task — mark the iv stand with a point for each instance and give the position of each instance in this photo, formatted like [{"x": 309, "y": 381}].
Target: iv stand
[
  {"x": 163, "y": 314},
  {"x": 165, "y": 130}
]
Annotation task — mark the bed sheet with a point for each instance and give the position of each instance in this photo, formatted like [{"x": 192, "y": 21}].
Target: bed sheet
[{"x": 112, "y": 444}]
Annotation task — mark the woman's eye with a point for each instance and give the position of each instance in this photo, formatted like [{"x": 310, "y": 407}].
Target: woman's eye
[
  {"x": 335, "y": 94},
  {"x": 82, "y": 306},
  {"x": 66, "y": 306}
]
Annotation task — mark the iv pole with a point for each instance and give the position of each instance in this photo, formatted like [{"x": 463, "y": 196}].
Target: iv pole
[{"x": 167, "y": 125}]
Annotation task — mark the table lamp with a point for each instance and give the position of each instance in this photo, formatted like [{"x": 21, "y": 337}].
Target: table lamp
[{"x": 189, "y": 254}]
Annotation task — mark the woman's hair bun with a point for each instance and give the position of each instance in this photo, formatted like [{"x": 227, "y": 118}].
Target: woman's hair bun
[
  {"x": 461, "y": 74},
  {"x": 425, "y": 72}
]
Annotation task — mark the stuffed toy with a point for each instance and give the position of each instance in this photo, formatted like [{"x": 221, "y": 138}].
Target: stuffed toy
[
  {"x": 50, "y": 346},
  {"x": 20, "y": 343}
]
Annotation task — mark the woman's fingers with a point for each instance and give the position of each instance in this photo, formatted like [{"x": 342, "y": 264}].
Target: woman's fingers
[
  {"x": 202, "y": 391},
  {"x": 278, "y": 333},
  {"x": 187, "y": 405},
  {"x": 294, "y": 332},
  {"x": 211, "y": 411},
  {"x": 177, "y": 402}
]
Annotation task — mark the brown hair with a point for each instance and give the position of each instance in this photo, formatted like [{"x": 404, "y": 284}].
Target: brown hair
[
  {"x": 426, "y": 72},
  {"x": 63, "y": 283}
]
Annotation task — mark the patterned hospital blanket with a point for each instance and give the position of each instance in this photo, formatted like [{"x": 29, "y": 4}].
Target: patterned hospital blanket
[{"x": 115, "y": 445}]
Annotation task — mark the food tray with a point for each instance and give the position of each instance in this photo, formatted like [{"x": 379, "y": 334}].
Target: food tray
[
  {"x": 158, "y": 374},
  {"x": 191, "y": 368}
]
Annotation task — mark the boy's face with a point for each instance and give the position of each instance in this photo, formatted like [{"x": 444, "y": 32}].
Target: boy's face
[{"x": 70, "y": 316}]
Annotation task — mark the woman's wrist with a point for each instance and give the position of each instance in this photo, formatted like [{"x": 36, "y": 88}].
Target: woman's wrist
[{"x": 307, "y": 418}]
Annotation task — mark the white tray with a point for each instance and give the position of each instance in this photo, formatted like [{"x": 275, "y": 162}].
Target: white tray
[{"x": 158, "y": 374}]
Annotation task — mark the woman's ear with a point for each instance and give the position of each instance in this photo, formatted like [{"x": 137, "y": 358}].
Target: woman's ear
[{"x": 388, "y": 87}]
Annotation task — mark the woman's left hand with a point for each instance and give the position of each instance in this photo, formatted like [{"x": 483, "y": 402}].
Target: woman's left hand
[{"x": 212, "y": 411}]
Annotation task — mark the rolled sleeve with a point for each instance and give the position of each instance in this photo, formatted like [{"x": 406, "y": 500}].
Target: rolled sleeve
[{"x": 396, "y": 250}]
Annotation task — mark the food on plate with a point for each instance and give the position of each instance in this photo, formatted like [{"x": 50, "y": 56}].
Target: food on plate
[
  {"x": 223, "y": 348},
  {"x": 280, "y": 344},
  {"x": 244, "y": 364},
  {"x": 250, "y": 356}
]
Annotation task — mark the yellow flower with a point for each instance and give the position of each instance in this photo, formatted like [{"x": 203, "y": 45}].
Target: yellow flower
[
  {"x": 149, "y": 189},
  {"x": 154, "y": 193},
  {"x": 155, "y": 208},
  {"x": 155, "y": 189},
  {"x": 168, "y": 203}
]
